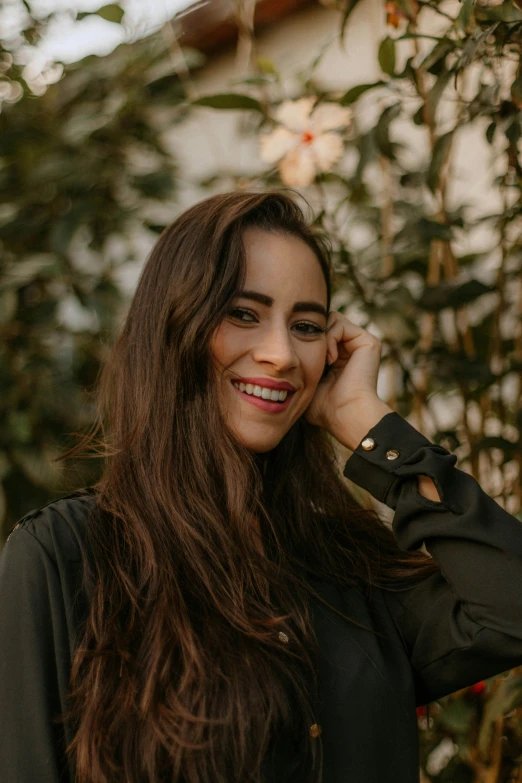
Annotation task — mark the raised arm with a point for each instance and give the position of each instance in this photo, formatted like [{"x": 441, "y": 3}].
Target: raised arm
[{"x": 463, "y": 624}]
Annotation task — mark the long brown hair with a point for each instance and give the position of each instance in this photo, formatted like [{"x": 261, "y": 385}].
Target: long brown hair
[{"x": 179, "y": 674}]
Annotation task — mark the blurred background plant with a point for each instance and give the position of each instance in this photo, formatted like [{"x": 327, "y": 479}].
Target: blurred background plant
[
  {"x": 81, "y": 161},
  {"x": 398, "y": 121}
]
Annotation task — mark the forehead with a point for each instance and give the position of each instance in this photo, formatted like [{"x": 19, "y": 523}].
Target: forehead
[{"x": 282, "y": 266}]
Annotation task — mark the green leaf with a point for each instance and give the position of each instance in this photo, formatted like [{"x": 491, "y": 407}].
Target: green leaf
[
  {"x": 8, "y": 305},
  {"x": 387, "y": 56},
  {"x": 382, "y": 130},
  {"x": 439, "y": 52},
  {"x": 348, "y": 8},
  {"x": 156, "y": 184},
  {"x": 418, "y": 117},
  {"x": 355, "y": 92},
  {"x": 490, "y": 132},
  {"x": 456, "y": 367},
  {"x": 111, "y": 13},
  {"x": 408, "y": 72},
  {"x": 166, "y": 89},
  {"x": 516, "y": 91},
  {"x": 513, "y": 132},
  {"x": 394, "y": 324},
  {"x": 156, "y": 228},
  {"x": 457, "y": 716},
  {"x": 465, "y": 18},
  {"x": 63, "y": 231},
  {"x": 265, "y": 65},
  {"x": 28, "y": 269},
  {"x": 19, "y": 426},
  {"x": 367, "y": 153},
  {"x": 229, "y": 100},
  {"x": 473, "y": 44},
  {"x": 446, "y": 294},
  {"x": 256, "y": 80},
  {"x": 507, "y": 12},
  {"x": 509, "y": 448},
  {"x": 412, "y": 36},
  {"x": 432, "y": 229},
  {"x": 435, "y": 94},
  {"x": 440, "y": 156},
  {"x": 308, "y": 73}
]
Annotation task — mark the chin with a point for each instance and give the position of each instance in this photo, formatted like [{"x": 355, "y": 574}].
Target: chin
[
  {"x": 261, "y": 444},
  {"x": 261, "y": 447}
]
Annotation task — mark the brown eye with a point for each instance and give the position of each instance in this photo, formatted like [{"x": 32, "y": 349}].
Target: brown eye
[
  {"x": 239, "y": 312},
  {"x": 310, "y": 328}
]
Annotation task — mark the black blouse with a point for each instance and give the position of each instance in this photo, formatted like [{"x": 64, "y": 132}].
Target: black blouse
[{"x": 451, "y": 630}]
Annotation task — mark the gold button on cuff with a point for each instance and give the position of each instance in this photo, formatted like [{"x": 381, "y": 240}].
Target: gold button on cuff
[
  {"x": 315, "y": 730},
  {"x": 283, "y": 637},
  {"x": 392, "y": 454},
  {"x": 368, "y": 444}
]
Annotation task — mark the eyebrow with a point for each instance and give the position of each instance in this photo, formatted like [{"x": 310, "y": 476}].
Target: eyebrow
[{"x": 299, "y": 307}]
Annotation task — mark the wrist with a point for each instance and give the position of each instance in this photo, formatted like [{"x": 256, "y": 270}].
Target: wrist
[
  {"x": 357, "y": 419},
  {"x": 427, "y": 488}
]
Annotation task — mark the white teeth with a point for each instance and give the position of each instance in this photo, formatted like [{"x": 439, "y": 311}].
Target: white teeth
[{"x": 262, "y": 391}]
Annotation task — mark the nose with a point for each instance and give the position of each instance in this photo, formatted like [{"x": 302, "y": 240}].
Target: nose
[{"x": 275, "y": 347}]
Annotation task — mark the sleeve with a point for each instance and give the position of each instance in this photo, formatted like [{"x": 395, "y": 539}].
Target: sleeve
[
  {"x": 463, "y": 623},
  {"x": 32, "y": 645}
]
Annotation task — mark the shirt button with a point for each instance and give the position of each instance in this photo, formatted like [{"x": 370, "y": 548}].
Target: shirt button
[
  {"x": 392, "y": 454},
  {"x": 368, "y": 444},
  {"x": 315, "y": 730},
  {"x": 283, "y": 637}
]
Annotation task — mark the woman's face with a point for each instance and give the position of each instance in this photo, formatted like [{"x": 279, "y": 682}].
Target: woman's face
[{"x": 272, "y": 344}]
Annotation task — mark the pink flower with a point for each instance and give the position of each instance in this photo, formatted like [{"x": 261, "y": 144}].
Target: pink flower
[{"x": 305, "y": 142}]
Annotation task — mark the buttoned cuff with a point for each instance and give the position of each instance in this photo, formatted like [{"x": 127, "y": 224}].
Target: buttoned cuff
[{"x": 385, "y": 448}]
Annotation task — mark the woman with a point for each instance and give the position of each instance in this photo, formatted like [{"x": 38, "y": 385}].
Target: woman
[{"x": 219, "y": 608}]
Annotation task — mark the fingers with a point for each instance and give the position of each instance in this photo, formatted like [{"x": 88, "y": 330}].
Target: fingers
[{"x": 344, "y": 337}]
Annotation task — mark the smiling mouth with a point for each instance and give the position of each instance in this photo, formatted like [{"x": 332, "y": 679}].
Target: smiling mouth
[
  {"x": 261, "y": 392},
  {"x": 258, "y": 397}
]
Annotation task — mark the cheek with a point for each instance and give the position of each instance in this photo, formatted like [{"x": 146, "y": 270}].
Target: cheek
[
  {"x": 223, "y": 345},
  {"x": 314, "y": 364},
  {"x": 228, "y": 345}
]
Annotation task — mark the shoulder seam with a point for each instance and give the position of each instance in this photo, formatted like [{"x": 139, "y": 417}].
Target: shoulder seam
[
  {"x": 35, "y": 513},
  {"x": 40, "y": 547}
]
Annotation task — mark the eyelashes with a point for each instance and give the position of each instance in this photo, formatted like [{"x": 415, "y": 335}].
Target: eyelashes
[{"x": 237, "y": 312}]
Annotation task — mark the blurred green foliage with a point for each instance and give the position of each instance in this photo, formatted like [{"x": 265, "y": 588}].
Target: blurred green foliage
[{"x": 80, "y": 167}]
